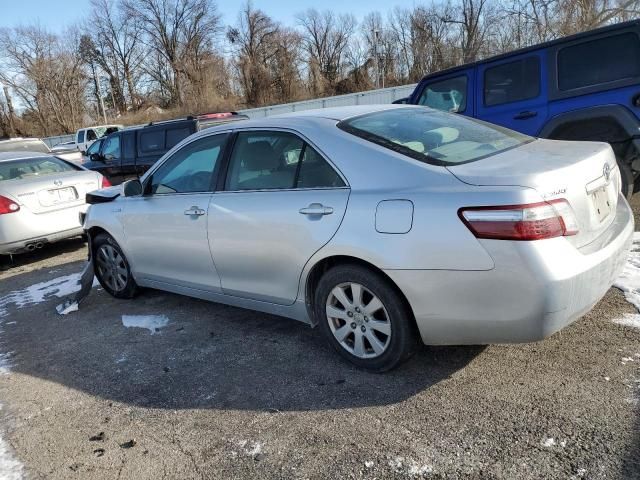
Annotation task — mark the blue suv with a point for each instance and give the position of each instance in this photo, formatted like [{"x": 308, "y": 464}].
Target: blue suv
[{"x": 582, "y": 87}]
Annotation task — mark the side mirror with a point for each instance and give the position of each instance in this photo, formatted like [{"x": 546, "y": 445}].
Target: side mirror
[
  {"x": 83, "y": 152},
  {"x": 132, "y": 188},
  {"x": 95, "y": 157}
]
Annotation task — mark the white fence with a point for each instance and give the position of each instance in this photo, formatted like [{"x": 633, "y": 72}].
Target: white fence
[{"x": 372, "y": 97}]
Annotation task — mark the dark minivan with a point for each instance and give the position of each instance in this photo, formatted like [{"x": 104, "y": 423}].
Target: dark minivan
[{"x": 131, "y": 152}]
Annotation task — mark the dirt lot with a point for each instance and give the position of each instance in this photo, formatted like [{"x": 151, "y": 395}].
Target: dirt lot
[{"x": 225, "y": 393}]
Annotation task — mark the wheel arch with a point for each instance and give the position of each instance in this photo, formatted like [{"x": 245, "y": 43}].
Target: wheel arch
[
  {"x": 613, "y": 124},
  {"x": 326, "y": 263}
]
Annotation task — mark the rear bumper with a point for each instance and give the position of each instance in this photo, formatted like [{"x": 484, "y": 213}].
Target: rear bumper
[
  {"x": 535, "y": 289},
  {"x": 18, "y": 231}
]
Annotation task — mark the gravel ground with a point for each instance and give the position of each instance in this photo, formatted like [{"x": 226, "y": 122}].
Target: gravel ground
[{"x": 226, "y": 393}]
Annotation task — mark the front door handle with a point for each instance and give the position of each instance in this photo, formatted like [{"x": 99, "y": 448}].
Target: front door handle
[
  {"x": 525, "y": 115},
  {"x": 194, "y": 211},
  {"x": 316, "y": 209}
]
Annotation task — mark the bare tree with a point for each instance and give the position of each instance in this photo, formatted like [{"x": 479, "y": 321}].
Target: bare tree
[
  {"x": 45, "y": 72},
  {"x": 326, "y": 38},
  {"x": 179, "y": 34}
]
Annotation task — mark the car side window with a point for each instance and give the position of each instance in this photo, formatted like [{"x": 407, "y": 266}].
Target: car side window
[
  {"x": 315, "y": 172},
  {"x": 448, "y": 95},
  {"x": 512, "y": 82},
  {"x": 190, "y": 169},
  {"x": 94, "y": 147},
  {"x": 80, "y": 136},
  {"x": 616, "y": 57},
  {"x": 91, "y": 135},
  {"x": 111, "y": 148},
  {"x": 264, "y": 160}
]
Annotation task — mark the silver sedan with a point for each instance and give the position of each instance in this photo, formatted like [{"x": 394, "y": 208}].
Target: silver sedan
[
  {"x": 383, "y": 225},
  {"x": 41, "y": 197}
]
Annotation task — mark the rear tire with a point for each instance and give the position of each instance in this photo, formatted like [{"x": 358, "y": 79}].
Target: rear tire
[
  {"x": 626, "y": 175},
  {"x": 112, "y": 268},
  {"x": 364, "y": 318}
]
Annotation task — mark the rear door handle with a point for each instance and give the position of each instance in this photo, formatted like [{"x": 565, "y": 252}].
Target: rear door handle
[
  {"x": 525, "y": 115},
  {"x": 316, "y": 209},
  {"x": 194, "y": 211}
]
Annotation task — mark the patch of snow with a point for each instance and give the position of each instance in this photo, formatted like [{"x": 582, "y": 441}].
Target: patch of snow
[
  {"x": 38, "y": 293},
  {"x": 5, "y": 363},
  {"x": 250, "y": 449},
  {"x": 624, "y": 360},
  {"x": 150, "y": 322},
  {"x": 629, "y": 320},
  {"x": 629, "y": 282},
  {"x": 607, "y": 378},
  {"x": 410, "y": 467},
  {"x": 548, "y": 442},
  {"x": 368, "y": 464},
  {"x": 10, "y": 468}
]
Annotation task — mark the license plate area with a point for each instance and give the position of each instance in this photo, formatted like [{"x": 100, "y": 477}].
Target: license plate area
[
  {"x": 601, "y": 204},
  {"x": 58, "y": 196}
]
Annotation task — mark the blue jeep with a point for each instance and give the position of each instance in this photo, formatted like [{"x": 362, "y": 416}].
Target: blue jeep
[{"x": 582, "y": 87}]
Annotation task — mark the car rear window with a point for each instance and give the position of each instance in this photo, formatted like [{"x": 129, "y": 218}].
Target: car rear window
[
  {"x": 33, "y": 168},
  {"x": 24, "y": 146},
  {"x": 432, "y": 136},
  {"x": 599, "y": 61}
]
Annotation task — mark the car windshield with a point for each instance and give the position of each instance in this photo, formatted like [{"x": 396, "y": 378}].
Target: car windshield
[
  {"x": 24, "y": 146},
  {"x": 33, "y": 167},
  {"x": 432, "y": 136}
]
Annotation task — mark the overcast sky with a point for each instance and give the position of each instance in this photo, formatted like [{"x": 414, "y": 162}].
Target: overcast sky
[{"x": 56, "y": 14}]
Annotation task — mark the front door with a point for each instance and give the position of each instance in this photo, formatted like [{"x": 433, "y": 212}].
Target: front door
[
  {"x": 282, "y": 201},
  {"x": 166, "y": 227}
]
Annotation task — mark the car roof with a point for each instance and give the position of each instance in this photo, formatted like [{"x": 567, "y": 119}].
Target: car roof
[
  {"x": 21, "y": 139},
  {"x": 6, "y": 156},
  {"x": 532, "y": 48},
  {"x": 316, "y": 116}
]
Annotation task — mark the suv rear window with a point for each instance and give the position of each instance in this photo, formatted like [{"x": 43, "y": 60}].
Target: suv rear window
[
  {"x": 432, "y": 136},
  {"x": 512, "y": 82},
  {"x": 599, "y": 61}
]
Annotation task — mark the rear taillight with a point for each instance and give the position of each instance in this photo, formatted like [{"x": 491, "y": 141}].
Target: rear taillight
[
  {"x": 8, "y": 206},
  {"x": 535, "y": 221},
  {"x": 106, "y": 183}
]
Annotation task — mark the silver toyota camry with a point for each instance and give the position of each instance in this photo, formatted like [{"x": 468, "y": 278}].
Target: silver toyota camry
[
  {"x": 41, "y": 197},
  {"x": 383, "y": 225}
]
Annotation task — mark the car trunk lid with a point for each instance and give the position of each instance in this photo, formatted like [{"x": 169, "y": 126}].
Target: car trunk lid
[
  {"x": 51, "y": 192},
  {"x": 583, "y": 173}
]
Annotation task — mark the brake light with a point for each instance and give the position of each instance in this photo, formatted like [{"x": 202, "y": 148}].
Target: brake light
[
  {"x": 105, "y": 183},
  {"x": 535, "y": 221},
  {"x": 8, "y": 206}
]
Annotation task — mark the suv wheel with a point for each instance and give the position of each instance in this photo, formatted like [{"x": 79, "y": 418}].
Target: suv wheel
[
  {"x": 112, "y": 268},
  {"x": 364, "y": 319}
]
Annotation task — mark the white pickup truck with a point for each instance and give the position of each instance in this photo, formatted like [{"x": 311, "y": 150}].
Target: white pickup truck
[{"x": 86, "y": 136}]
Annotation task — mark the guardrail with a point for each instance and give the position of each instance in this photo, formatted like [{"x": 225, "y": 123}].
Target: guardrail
[{"x": 53, "y": 141}]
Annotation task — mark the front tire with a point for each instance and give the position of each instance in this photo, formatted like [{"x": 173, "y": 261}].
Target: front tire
[
  {"x": 112, "y": 268},
  {"x": 364, "y": 318}
]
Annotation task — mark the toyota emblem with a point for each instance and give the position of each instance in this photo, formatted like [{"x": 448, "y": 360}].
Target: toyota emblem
[
  {"x": 606, "y": 171},
  {"x": 58, "y": 183}
]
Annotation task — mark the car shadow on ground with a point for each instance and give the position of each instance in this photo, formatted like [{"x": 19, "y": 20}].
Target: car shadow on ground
[{"x": 208, "y": 356}]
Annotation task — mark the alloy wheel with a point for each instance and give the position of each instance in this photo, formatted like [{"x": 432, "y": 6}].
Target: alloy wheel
[
  {"x": 358, "y": 320},
  {"x": 112, "y": 268}
]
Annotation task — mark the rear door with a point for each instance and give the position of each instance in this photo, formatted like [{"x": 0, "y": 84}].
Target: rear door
[
  {"x": 166, "y": 228},
  {"x": 513, "y": 93},
  {"x": 281, "y": 202}
]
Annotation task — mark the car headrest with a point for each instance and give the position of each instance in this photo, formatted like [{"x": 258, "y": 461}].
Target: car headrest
[{"x": 259, "y": 156}]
